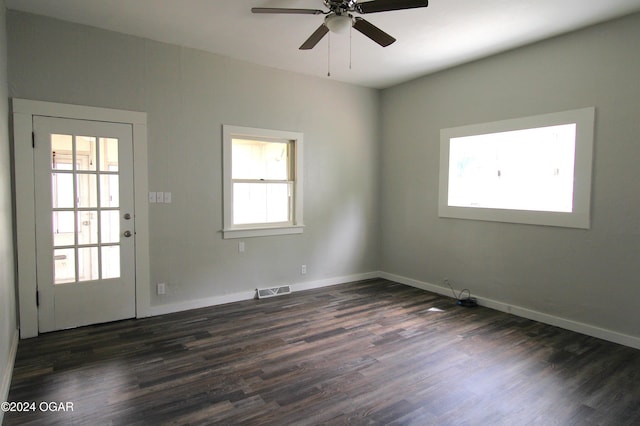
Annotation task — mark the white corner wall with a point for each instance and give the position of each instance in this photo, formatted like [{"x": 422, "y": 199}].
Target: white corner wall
[
  {"x": 8, "y": 328},
  {"x": 567, "y": 276},
  {"x": 188, "y": 95}
]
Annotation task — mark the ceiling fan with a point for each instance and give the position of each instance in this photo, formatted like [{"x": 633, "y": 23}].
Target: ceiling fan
[{"x": 339, "y": 17}]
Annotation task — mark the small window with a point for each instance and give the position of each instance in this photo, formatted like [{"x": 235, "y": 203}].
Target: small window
[
  {"x": 534, "y": 170},
  {"x": 262, "y": 182}
]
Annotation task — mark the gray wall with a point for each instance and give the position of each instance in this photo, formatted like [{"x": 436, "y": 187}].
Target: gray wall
[
  {"x": 7, "y": 280},
  {"x": 589, "y": 276},
  {"x": 188, "y": 95}
]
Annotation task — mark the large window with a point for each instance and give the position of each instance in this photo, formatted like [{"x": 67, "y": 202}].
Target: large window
[
  {"x": 262, "y": 182},
  {"x": 534, "y": 170}
]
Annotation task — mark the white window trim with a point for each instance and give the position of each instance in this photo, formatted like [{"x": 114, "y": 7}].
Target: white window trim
[
  {"x": 246, "y": 231},
  {"x": 578, "y": 218}
]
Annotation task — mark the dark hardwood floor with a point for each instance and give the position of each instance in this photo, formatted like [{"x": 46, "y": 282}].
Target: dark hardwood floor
[{"x": 371, "y": 352}]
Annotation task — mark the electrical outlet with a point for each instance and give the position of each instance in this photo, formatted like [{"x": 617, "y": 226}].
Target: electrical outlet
[
  {"x": 303, "y": 269},
  {"x": 241, "y": 247},
  {"x": 161, "y": 288}
]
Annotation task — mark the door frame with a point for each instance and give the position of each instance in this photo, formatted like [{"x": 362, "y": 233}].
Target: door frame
[{"x": 25, "y": 225}]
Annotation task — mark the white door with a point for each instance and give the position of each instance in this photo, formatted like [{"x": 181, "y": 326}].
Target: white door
[{"x": 85, "y": 227}]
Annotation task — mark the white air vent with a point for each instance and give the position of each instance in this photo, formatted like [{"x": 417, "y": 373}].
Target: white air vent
[{"x": 263, "y": 293}]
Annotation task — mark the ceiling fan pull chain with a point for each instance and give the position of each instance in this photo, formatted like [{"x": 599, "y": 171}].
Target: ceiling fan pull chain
[
  {"x": 329, "y": 56},
  {"x": 350, "y": 43}
]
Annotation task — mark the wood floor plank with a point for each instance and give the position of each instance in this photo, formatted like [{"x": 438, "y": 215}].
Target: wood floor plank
[{"x": 368, "y": 352}]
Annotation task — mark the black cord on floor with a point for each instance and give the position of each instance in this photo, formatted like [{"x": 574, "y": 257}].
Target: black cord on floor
[
  {"x": 459, "y": 296},
  {"x": 467, "y": 301}
]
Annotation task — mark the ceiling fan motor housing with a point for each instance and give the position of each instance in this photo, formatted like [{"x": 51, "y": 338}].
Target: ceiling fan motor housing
[{"x": 340, "y": 6}]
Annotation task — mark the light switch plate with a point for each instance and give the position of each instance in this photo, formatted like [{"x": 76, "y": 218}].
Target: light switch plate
[
  {"x": 167, "y": 198},
  {"x": 160, "y": 197},
  {"x": 152, "y": 197}
]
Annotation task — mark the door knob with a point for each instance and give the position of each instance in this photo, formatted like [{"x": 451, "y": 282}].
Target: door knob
[{"x": 127, "y": 234}]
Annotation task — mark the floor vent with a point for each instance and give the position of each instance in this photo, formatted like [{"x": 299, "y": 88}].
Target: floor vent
[{"x": 263, "y": 293}]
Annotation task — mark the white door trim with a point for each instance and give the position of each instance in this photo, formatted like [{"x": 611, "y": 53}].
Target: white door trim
[{"x": 23, "y": 112}]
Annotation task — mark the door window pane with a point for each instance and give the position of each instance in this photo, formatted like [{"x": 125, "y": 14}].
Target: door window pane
[
  {"x": 88, "y": 267},
  {"x": 64, "y": 270},
  {"x": 110, "y": 226},
  {"x": 109, "y": 191},
  {"x": 87, "y": 190},
  {"x": 85, "y": 153},
  {"x": 110, "y": 262},
  {"x": 88, "y": 227},
  {"x": 108, "y": 155},
  {"x": 63, "y": 229},
  {"x": 62, "y": 190},
  {"x": 61, "y": 152}
]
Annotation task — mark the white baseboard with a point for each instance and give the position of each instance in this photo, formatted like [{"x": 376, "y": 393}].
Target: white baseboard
[
  {"x": 248, "y": 295},
  {"x": 198, "y": 303},
  {"x": 587, "y": 329},
  {"x": 5, "y": 384},
  {"x": 334, "y": 281},
  {"x": 415, "y": 283}
]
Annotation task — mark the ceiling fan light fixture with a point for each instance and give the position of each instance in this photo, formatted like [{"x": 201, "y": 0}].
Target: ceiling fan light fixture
[{"x": 338, "y": 23}]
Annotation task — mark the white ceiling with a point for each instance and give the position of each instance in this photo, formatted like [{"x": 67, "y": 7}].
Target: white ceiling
[{"x": 445, "y": 34}]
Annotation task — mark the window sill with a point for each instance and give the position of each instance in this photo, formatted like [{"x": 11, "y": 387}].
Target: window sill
[{"x": 261, "y": 232}]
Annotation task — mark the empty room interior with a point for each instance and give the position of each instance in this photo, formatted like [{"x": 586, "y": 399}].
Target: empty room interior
[{"x": 243, "y": 213}]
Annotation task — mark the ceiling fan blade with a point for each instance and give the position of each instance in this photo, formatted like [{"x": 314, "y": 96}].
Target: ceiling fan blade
[
  {"x": 315, "y": 37},
  {"x": 373, "y": 32},
  {"x": 285, "y": 10},
  {"x": 388, "y": 5}
]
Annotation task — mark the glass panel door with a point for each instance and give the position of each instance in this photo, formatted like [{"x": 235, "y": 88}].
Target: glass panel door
[{"x": 85, "y": 222}]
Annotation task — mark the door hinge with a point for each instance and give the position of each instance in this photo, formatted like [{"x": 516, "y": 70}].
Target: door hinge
[
  {"x": 37, "y": 298},
  {"x": 33, "y": 139}
]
